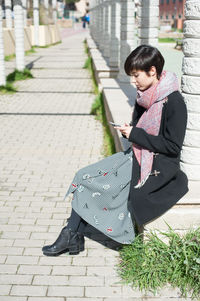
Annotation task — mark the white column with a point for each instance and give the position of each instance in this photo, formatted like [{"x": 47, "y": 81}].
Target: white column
[
  {"x": 191, "y": 89},
  {"x": 101, "y": 25},
  {"x": 8, "y": 13},
  {"x": 2, "y": 62},
  {"x": 46, "y": 6},
  {"x": 54, "y": 6},
  {"x": 19, "y": 35},
  {"x": 107, "y": 14},
  {"x": 92, "y": 9},
  {"x": 36, "y": 21},
  {"x": 94, "y": 20},
  {"x": 24, "y": 3},
  {"x": 148, "y": 21},
  {"x": 127, "y": 37},
  {"x": 115, "y": 34},
  {"x": 94, "y": 29}
]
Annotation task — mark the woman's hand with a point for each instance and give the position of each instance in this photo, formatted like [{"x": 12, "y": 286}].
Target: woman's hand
[{"x": 125, "y": 129}]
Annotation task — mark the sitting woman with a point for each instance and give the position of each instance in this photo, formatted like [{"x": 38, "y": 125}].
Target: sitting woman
[{"x": 134, "y": 187}]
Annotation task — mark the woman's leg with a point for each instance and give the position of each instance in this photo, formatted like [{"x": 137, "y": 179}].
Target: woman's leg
[
  {"x": 69, "y": 239},
  {"x": 74, "y": 221}
]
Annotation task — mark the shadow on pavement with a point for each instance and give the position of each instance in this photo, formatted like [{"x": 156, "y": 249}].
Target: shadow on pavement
[{"x": 99, "y": 237}]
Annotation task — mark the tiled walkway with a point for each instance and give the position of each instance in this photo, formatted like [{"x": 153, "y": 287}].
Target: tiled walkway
[{"x": 47, "y": 133}]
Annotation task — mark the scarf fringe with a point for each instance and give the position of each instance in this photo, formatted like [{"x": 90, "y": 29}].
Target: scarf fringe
[{"x": 140, "y": 184}]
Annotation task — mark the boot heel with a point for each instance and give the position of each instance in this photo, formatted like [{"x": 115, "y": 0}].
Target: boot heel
[
  {"x": 74, "y": 250},
  {"x": 81, "y": 248}
]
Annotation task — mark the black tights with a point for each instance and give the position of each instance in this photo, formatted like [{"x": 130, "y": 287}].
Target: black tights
[{"x": 76, "y": 223}]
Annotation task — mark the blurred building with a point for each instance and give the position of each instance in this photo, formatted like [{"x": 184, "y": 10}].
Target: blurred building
[
  {"x": 82, "y": 6},
  {"x": 172, "y": 13}
]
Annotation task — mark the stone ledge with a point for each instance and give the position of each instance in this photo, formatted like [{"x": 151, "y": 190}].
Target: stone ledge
[
  {"x": 117, "y": 109},
  {"x": 91, "y": 43},
  {"x": 178, "y": 217},
  {"x": 100, "y": 66}
]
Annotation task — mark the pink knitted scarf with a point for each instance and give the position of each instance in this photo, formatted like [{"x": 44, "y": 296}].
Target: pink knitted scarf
[{"x": 152, "y": 100}]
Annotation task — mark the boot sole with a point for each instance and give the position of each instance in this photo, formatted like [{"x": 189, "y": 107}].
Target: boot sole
[{"x": 71, "y": 251}]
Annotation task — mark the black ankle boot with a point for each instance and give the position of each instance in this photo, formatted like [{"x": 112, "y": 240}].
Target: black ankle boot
[{"x": 67, "y": 241}]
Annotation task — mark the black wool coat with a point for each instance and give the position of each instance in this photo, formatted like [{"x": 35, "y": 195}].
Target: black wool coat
[{"x": 168, "y": 184}]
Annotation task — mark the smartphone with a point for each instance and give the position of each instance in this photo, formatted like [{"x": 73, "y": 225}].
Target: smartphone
[{"x": 114, "y": 124}]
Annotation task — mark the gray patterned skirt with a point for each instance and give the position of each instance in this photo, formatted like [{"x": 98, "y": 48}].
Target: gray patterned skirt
[{"x": 100, "y": 195}]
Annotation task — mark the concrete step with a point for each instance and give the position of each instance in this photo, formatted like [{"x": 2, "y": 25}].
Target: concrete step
[{"x": 178, "y": 217}]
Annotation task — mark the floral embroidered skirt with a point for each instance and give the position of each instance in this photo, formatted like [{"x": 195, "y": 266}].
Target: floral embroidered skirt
[{"x": 100, "y": 195}]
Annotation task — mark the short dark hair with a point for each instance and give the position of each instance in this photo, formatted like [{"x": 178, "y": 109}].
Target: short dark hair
[{"x": 143, "y": 58}]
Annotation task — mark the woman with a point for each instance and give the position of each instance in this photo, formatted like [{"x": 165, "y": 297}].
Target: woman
[{"x": 136, "y": 186}]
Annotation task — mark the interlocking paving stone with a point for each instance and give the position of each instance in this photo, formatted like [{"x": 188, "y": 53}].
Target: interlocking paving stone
[
  {"x": 64, "y": 73},
  {"x": 56, "y": 85},
  {"x": 47, "y": 133}
]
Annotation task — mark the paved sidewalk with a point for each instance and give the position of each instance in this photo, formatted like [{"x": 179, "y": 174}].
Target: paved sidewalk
[{"x": 47, "y": 133}]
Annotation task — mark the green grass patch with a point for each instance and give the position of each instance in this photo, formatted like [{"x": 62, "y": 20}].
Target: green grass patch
[
  {"x": 19, "y": 75},
  {"x": 166, "y": 40},
  {"x": 13, "y": 77},
  {"x": 99, "y": 110},
  {"x": 12, "y": 56},
  {"x": 153, "y": 264},
  {"x": 49, "y": 45},
  {"x": 88, "y": 65},
  {"x": 8, "y": 88},
  {"x": 30, "y": 51},
  {"x": 86, "y": 47},
  {"x": 9, "y": 57}
]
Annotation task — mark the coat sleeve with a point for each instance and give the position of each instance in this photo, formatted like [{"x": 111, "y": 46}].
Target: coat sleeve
[
  {"x": 171, "y": 139},
  {"x": 137, "y": 113}
]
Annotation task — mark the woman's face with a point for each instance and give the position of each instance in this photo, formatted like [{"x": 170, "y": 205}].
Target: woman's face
[{"x": 143, "y": 80}]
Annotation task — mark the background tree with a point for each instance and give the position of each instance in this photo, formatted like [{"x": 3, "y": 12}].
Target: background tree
[
  {"x": 70, "y": 4},
  {"x": 71, "y": 1}
]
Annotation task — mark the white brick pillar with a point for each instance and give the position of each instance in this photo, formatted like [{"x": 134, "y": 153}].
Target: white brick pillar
[
  {"x": 101, "y": 25},
  {"x": 127, "y": 35},
  {"x": 2, "y": 62},
  {"x": 36, "y": 21},
  {"x": 93, "y": 18},
  {"x": 8, "y": 14},
  {"x": 115, "y": 34},
  {"x": 54, "y": 6},
  {"x": 191, "y": 89},
  {"x": 19, "y": 35},
  {"x": 107, "y": 23},
  {"x": 98, "y": 23},
  {"x": 148, "y": 21},
  {"x": 46, "y": 6},
  {"x": 24, "y": 4}
]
